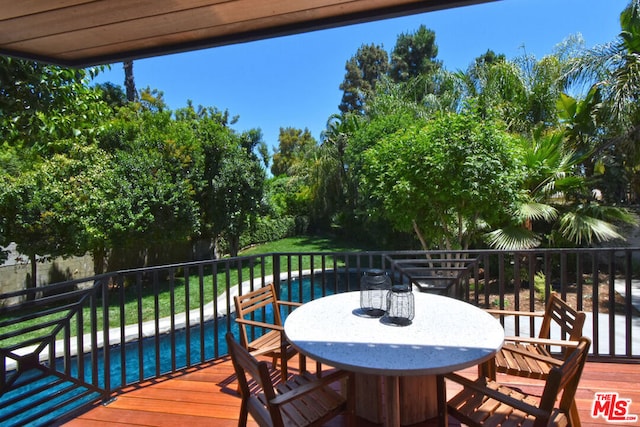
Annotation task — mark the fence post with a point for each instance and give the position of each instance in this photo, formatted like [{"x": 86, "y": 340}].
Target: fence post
[{"x": 276, "y": 273}]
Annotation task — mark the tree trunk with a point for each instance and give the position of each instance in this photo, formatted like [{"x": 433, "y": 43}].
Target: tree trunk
[
  {"x": 99, "y": 257},
  {"x": 33, "y": 282},
  {"x": 234, "y": 245},
  {"x": 129, "y": 83},
  {"x": 423, "y": 242}
]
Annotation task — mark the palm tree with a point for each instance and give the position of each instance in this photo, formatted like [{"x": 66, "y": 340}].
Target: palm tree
[
  {"x": 129, "y": 82},
  {"x": 523, "y": 92},
  {"x": 614, "y": 70},
  {"x": 558, "y": 206}
]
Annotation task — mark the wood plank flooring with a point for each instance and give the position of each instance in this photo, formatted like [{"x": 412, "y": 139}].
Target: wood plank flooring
[{"x": 206, "y": 396}]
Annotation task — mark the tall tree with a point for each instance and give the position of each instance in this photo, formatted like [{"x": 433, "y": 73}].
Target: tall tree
[
  {"x": 414, "y": 55},
  {"x": 129, "y": 81},
  {"x": 613, "y": 69},
  {"x": 230, "y": 179},
  {"x": 524, "y": 91},
  {"x": 476, "y": 76},
  {"x": 293, "y": 145},
  {"x": 364, "y": 69}
]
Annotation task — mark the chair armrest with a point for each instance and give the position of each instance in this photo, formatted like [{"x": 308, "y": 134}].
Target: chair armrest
[
  {"x": 514, "y": 312},
  {"x": 542, "y": 341},
  {"x": 495, "y": 394},
  {"x": 264, "y": 350},
  {"x": 309, "y": 387},
  {"x": 261, "y": 324},
  {"x": 289, "y": 303},
  {"x": 539, "y": 342}
]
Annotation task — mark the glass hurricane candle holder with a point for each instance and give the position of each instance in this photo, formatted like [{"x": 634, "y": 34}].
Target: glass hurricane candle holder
[
  {"x": 400, "y": 305},
  {"x": 374, "y": 286}
]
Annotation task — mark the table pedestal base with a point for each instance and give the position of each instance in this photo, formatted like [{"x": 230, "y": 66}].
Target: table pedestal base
[{"x": 407, "y": 399}]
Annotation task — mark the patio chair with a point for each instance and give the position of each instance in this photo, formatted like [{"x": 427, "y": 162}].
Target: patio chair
[
  {"x": 485, "y": 402},
  {"x": 302, "y": 400},
  {"x": 253, "y": 306},
  {"x": 531, "y": 357}
]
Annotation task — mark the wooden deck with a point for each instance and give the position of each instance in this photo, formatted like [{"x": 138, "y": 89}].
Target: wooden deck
[{"x": 206, "y": 396}]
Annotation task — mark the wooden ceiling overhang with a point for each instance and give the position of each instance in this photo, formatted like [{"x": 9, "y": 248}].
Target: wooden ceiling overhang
[{"x": 80, "y": 33}]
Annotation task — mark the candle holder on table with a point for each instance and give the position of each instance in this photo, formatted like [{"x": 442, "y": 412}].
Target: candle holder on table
[
  {"x": 400, "y": 305},
  {"x": 374, "y": 286}
]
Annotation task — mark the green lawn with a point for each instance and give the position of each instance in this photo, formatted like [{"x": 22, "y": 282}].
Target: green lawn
[{"x": 305, "y": 244}]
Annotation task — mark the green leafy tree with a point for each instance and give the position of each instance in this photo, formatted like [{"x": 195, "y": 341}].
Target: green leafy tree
[
  {"x": 47, "y": 114},
  {"x": 147, "y": 195},
  {"x": 332, "y": 179},
  {"x": 237, "y": 192},
  {"x": 364, "y": 70},
  {"x": 477, "y": 76},
  {"x": 386, "y": 115},
  {"x": 230, "y": 184},
  {"x": 112, "y": 94},
  {"x": 320, "y": 177},
  {"x": 41, "y": 104},
  {"x": 40, "y": 226},
  {"x": 293, "y": 146},
  {"x": 47, "y": 205},
  {"x": 445, "y": 180}
]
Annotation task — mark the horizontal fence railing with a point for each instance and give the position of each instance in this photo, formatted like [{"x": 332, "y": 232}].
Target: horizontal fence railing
[{"x": 69, "y": 344}]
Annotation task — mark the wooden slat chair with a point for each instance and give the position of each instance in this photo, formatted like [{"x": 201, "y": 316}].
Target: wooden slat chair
[
  {"x": 531, "y": 357},
  {"x": 272, "y": 343},
  {"x": 485, "y": 402},
  {"x": 302, "y": 400}
]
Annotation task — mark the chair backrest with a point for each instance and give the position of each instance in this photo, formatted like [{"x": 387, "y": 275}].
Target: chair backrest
[
  {"x": 251, "y": 374},
  {"x": 564, "y": 379},
  {"x": 566, "y": 317},
  {"x": 259, "y": 299}
]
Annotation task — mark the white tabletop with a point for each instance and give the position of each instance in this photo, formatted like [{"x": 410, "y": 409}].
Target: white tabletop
[{"x": 446, "y": 335}]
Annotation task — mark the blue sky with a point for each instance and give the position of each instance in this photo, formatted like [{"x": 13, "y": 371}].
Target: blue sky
[{"x": 294, "y": 81}]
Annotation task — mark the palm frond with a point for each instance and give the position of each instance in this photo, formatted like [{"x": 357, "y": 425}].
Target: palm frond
[
  {"x": 625, "y": 216},
  {"x": 512, "y": 238},
  {"x": 584, "y": 229},
  {"x": 608, "y": 213},
  {"x": 537, "y": 212}
]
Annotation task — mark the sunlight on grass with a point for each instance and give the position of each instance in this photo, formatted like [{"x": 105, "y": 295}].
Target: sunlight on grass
[{"x": 304, "y": 245}]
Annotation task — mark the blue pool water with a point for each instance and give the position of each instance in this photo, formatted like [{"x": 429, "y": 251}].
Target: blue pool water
[{"x": 55, "y": 398}]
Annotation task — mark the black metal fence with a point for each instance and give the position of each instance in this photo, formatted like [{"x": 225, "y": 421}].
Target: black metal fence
[{"x": 70, "y": 344}]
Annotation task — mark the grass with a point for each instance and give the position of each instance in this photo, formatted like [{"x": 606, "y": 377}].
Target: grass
[
  {"x": 170, "y": 296},
  {"x": 305, "y": 244}
]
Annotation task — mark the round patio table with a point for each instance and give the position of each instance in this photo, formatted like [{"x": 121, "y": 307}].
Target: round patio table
[{"x": 445, "y": 335}]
